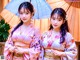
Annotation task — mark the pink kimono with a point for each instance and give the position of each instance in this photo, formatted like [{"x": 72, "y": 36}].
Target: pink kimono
[
  {"x": 51, "y": 42},
  {"x": 28, "y": 38}
]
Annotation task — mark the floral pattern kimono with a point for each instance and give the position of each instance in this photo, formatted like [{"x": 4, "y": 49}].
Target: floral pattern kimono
[
  {"x": 28, "y": 38},
  {"x": 51, "y": 42}
]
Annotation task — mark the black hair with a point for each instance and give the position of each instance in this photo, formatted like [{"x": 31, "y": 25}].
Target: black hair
[
  {"x": 64, "y": 27},
  {"x": 26, "y": 5}
]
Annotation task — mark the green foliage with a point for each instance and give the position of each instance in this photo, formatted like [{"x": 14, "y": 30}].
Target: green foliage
[{"x": 4, "y": 28}]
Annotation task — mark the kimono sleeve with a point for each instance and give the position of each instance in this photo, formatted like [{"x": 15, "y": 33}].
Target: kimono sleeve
[
  {"x": 35, "y": 46},
  {"x": 8, "y": 44},
  {"x": 71, "y": 49},
  {"x": 44, "y": 35},
  {"x": 41, "y": 57}
]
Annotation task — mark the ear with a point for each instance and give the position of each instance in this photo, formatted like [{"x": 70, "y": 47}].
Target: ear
[
  {"x": 34, "y": 12},
  {"x": 50, "y": 17},
  {"x": 64, "y": 21}
]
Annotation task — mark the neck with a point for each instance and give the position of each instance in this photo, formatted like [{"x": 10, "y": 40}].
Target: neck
[
  {"x": 27, "y": 23},
  {"x": 56, "y": 30}
]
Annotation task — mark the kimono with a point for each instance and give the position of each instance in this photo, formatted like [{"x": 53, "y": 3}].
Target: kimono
[
  {"x": 51, "y": 42},
  {"x": 27, "y": 38}
]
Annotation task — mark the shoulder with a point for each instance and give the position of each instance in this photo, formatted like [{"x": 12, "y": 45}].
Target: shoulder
[
  {"x": 69, "y": 36},
  {"x": 47, "y": 33},
  {"x": 11, "y": 29},
  {"x": 36, "y": 30},
  {"x": 33, "y": 27}
]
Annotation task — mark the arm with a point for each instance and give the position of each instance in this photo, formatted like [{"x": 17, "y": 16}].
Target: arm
[
  {"x": 34, "y": 50},
  {"x": 71, "y": 49},
  {"x": 8, "y": 45},
  {"x": 41, "y": 57},
  {"x": 70, "y": 52}
]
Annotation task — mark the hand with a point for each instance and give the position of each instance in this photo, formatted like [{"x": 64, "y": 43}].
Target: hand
[
  {"x": 58, "y": 53},
  {"x": 33, "y": 52},
  {"x": 19, "y": 50},
  {"x": 11, "y": 49}
]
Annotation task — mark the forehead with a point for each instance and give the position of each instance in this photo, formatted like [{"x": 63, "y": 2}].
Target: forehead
[
  {"x": 56, "y": 16},
  {"x": 24, "y": 10}
]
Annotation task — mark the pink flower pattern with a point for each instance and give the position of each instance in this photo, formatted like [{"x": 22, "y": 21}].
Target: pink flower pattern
[
  {"x": 51, "y": 41},
  {"x": 28, "y": 37}
]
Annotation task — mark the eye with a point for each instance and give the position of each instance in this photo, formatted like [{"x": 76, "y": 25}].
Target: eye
[
  {"x": 59, "y": 19},
  {"x": 53, "y": 18},
  {"x": 20, "y": 13},
  {"x": 27, "y": 12}
]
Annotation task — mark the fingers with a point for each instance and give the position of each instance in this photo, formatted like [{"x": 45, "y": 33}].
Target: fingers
[
  {"x": 19, "y": 50},
  {"x": 56, "y": 53},
  {"x": 11, "y": 49}
]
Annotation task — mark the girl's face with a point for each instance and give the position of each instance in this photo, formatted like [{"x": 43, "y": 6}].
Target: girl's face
[
  {"x": 25, "y": 15},
  {"x": 56, "y": 21}
]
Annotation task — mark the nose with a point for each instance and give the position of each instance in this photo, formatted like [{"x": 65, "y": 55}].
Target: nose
[
  {"x": 24, "y": 15},
  {"x": 55, "y": 21}
]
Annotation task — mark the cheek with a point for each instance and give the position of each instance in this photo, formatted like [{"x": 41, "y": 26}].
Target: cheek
[
  {"x": 52, "y": 22},
  {"x": 30, "y": 16},
  {"x": 20, "y": 16},
  {"x": 27, "y": 16},
  {"x": 60, "y": 23}
]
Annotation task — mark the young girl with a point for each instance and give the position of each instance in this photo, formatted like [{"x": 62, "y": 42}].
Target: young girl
[
  {"x": 58, "y": 43},
  {"x": 24, "y": 40}
]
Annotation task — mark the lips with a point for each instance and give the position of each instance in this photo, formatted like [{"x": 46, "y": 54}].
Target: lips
[
  {"x": 55, "y": 25},
  {"x": 24, "y": 19}
]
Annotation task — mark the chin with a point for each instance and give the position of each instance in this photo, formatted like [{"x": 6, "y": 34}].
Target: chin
[
  {"x": 55, "y": 27},
  {"x": 25, "y": 21}
]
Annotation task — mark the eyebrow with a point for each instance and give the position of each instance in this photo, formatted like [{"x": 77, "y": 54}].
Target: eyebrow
[{"x": 57, "y": 17}]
